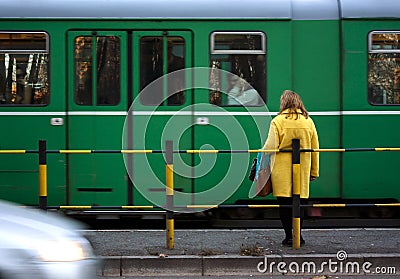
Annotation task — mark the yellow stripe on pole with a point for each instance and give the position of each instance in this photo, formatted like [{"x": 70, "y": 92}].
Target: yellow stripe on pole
[
  {"x": 296, "y": 179},
  {"x": 169, "y": 198},
  {"x": 169, "y": 171},
  {"x": 387, "y": 204},
  {"x": 11, "y": 151},
  {"x": 43, "y": 180},
  {"x": 83, "y": 151},
  {"x": 296, "y": 233},
  {"x": 170, "y": 233}
]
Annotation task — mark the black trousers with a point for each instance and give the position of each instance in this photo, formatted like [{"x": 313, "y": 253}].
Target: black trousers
[{"x": 286, "y": 214}]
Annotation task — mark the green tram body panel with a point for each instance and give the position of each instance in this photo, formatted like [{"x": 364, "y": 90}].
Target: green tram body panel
[
  {"x": 367, "y": 175},
  {"x": 303, "y": 55}
]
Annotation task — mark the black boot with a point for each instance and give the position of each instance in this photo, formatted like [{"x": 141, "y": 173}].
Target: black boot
[{"x": 287, "y": 242}]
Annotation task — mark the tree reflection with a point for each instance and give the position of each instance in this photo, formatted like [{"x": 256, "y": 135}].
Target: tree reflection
[{"x": 384, "y": 69}]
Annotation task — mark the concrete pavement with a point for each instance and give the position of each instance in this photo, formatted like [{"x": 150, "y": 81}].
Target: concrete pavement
[{"x": 248, "y": 253}]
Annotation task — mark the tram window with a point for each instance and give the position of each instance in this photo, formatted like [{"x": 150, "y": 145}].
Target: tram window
[
  {"x": 153, "y": 66},
  {"x": 384, "y": 68},
  {"x": 97, "y": 66},
  {"x": 24, "y": 75},
  {"x": 242, "y": 54}
]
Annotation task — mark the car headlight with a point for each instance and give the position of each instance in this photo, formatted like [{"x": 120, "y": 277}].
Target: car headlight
[{"x": 62, "y": 251}]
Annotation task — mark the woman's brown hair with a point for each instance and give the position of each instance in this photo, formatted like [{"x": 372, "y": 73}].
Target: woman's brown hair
[{"x": 291, "y": 100}]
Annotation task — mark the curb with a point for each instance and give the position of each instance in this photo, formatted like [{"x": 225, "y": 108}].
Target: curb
[{"x": 307, "y": 264}]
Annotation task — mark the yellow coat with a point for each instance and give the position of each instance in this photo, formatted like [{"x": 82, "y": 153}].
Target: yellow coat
[{"x": 283, "y": 129}]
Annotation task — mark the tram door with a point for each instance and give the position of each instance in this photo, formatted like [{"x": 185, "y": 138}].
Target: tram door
[
  {"x": 97, "y": 102},
  {"x": 223, "y": 122},
  {"x": 161, "y": 110}
]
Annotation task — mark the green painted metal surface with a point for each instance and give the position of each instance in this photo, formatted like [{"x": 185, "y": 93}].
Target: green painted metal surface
[{"x": 309, "y": 57}]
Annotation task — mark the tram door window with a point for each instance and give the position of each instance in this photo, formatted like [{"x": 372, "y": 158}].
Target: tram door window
[
  {"x": 97, "y": 70},
  {"x": 24, "y": 75},
  {"x": 153, "y": 66},
  {"x": 384, "y": 68},
  {"x": 243, "y": 54}
]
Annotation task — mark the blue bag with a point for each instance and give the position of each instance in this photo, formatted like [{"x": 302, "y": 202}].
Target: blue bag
[
  {"x": 262, "y": 162},
  {"x": 263, "y": 175}
]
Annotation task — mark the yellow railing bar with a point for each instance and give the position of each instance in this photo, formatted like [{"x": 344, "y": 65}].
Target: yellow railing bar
[
  {"x": 329, "y": 205},
  {"x": 202, "y": 206},
  {"x": 75, "y": 207},
  {"x": 11, "y": 151},
  {"x": 387, "y": 204},
  {"x": 137, "y": 207},
  {"x": 387, "y": 149},
  {"x": 201, "y": 151}
]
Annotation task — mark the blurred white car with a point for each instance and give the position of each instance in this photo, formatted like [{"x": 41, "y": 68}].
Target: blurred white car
[{"x": 36, "y": 244}]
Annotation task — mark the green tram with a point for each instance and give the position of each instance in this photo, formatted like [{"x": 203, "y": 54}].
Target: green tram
[{"x": 70, "y": 71}]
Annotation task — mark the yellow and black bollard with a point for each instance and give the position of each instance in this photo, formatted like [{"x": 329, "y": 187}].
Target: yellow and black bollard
[
  {"x": 296, "y": 193},
  {"x": 169, "y": 174},
  {"x": 42, "y": 175}
]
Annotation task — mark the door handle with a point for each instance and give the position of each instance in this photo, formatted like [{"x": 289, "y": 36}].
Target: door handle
[{"x": 57, "y": 121}]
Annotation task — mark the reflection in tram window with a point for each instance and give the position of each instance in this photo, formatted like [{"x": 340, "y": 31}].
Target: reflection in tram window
[
  {"x": 242, "y": 54},
  {"x": 108, "y": 71},
  {"x": 384, "y": 68},
  {"x": 83, "y": 70},
  {"x": 153, "y": 66},
  {"x": 24, "y": 68},
  {"x": 106, "y": 54}
]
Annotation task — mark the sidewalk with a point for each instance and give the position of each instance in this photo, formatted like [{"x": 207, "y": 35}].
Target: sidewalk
[{"x": 247, "y": 252}]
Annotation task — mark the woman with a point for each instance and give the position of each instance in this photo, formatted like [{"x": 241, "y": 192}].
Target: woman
[{"x": 292, "y": 122}]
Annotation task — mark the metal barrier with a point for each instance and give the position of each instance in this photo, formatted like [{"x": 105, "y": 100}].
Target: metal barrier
[
  {"x": 169, "y": 192},
  {"x": 218, "y": 206},
  {"x": 169, "y": 170},
  {"x": 296, "y": 184}
]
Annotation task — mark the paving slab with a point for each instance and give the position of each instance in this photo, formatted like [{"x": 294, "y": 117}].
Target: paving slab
[{"x": 361, "y": 251}]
